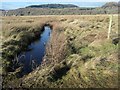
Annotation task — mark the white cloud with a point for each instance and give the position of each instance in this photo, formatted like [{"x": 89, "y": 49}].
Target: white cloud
[{"x": 59, "y": 1}]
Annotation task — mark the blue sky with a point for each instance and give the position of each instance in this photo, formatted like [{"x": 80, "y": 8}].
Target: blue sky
[{"x": 12, "y": 4}]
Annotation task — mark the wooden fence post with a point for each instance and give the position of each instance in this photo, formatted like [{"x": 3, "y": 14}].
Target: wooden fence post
[{"x": 110, "y": 25}]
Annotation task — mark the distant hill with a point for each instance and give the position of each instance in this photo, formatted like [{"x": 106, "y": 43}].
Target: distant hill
[
  {"x": 53, "y": 6},
  {"x": 2, "y": 10},
  {"x": 119, "y": 3},
  {"x": 62, "y": 9},
  {"x": 110, "y": 5}
]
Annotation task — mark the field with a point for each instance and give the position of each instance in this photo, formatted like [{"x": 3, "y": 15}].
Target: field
[{"x": 79, "y": 54}]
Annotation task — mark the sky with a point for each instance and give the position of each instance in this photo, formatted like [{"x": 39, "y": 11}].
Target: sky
[{"x": 13, "y": 4}]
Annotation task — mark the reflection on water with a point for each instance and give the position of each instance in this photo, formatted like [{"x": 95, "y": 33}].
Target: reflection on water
[{"x": 34, "y": 56}]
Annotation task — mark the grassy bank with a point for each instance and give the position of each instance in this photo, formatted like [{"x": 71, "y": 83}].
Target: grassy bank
[{"x": 18, "y": 33}]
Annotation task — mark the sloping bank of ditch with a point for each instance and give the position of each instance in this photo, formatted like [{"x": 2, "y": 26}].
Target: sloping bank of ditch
[
  {"x": 22, "y": 37},
  {"x": 25, "y": 35},
  {"x": 53, "y": 61}
]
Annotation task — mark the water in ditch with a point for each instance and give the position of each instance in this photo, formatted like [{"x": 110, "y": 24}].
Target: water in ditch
[{"x": 33, "y": 57}]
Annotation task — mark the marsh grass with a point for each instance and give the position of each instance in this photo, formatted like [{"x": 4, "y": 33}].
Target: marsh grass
[{"x": 77, "y": 42}]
